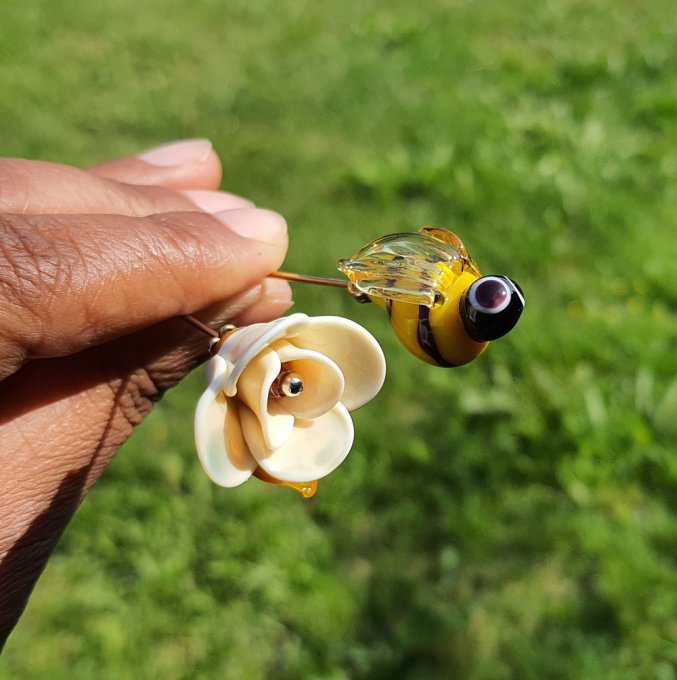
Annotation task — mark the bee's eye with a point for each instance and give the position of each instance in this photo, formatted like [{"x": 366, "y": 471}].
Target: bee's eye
[
  {"x": 491, "y": 307},
  {"x": 489, "y": 295}
]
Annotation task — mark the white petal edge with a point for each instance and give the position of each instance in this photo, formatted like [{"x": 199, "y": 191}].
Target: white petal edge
[
  {"x": 323, "y": 381},
  {"x": 353, "y": 349},
  {"x": 314, "y": 449},
  {"x": 224, "y": 455},
  {"x": 243, "y": 344},
  {"x": 217, "y": 368},
  {"x": 253, "y": 388}
]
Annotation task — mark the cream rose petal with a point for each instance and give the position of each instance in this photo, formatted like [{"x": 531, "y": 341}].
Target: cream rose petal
[
  {"x": 314, "y": 449},
  {"x": 323, "y": 383},
  {"x": 220, "y": 444},
  {"x": 245, "y": 343},
  {"x": 353, "y": 349},
  {"x": 253, "y": 388}
]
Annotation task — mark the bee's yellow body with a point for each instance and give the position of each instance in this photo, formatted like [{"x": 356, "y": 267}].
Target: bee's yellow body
[
  {"x": 422, "y": 280},
  {"x": 435, "y": 335}
]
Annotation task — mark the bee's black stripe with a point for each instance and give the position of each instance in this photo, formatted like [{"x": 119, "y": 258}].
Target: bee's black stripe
[
  {"x": 389, "y": 307},
  {"x": 426, "y": 339}
]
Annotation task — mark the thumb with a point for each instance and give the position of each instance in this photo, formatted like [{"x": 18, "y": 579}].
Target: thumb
[{"x": 68, "y": 282}]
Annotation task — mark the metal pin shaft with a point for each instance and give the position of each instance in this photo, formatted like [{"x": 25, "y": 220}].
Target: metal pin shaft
[
  {"x": 304, "y": 278},
  {"x": 201, "y": 326}
]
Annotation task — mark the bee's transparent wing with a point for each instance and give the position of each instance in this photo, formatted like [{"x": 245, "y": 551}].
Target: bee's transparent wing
[{"x": 405, "y": 267}]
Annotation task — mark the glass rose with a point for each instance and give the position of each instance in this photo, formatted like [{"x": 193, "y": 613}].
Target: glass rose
[{"x": 278, "y": 400}]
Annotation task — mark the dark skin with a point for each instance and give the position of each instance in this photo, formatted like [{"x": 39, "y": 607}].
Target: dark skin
[{"x": 96, "y": 267}]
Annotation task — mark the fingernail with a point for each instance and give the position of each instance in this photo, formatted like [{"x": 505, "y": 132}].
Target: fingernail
[
  {"x": 254, "y": 223},
  {"x": 216, "y": 201},
  {"x": 178, "y": 153}
]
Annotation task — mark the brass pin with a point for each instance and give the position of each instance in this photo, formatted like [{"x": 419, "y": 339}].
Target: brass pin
[{"x": 304, "y": 278}]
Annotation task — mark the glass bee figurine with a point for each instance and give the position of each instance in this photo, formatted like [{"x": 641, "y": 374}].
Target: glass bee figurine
[{"x": 440, "y": 306}]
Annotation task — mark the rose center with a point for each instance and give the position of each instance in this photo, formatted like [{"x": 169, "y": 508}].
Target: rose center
[{"x": 287, "y": 384}]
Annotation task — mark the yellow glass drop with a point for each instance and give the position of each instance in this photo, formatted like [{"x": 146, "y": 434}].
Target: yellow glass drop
[{"x": 306, "y": 489}]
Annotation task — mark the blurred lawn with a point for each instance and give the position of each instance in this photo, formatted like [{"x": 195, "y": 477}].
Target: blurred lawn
[{"x": 511, "y": 519}]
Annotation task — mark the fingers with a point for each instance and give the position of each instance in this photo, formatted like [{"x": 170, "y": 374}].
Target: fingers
[
  {"x": 188, "y": 164},
  {"x": 38, "y": 187},
  {"x": 69, "y": 282}
]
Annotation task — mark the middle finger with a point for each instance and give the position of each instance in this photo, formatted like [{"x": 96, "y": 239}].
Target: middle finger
[{"x": 38, "y": 187}]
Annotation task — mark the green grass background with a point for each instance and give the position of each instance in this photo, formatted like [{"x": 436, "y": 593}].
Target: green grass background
[{"x": 511, "y": 519}]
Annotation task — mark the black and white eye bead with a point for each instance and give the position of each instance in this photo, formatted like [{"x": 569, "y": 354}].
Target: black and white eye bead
[
  {"x": 491, "y": 307},
  {"x": 489, "y": 295}
]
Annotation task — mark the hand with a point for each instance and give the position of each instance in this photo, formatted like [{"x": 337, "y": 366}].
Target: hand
[{"x": 95, "y": 266}]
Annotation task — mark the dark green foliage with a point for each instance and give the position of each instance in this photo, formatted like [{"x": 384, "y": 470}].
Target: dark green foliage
[{"x": 511, "y": 519}]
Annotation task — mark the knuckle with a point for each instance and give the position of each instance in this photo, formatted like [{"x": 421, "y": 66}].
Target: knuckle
[
  {"x": 32, "y": 267},
  {"x": 19, "y": 268},
  {"x": 136, "y": 395}
]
